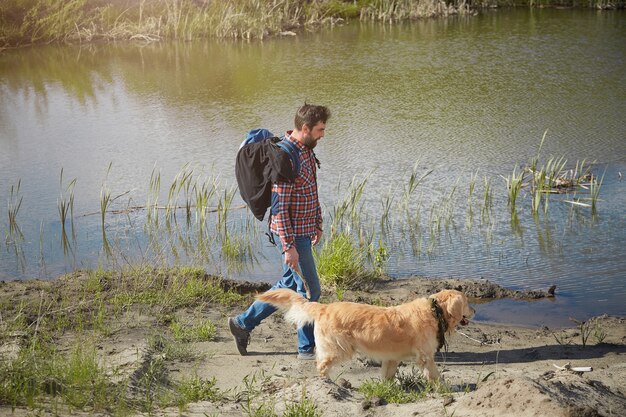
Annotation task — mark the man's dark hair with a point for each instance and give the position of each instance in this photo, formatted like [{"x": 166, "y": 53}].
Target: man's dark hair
[{"x": 310, "y": 115}]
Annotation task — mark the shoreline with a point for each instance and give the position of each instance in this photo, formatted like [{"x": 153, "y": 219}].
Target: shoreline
[
  {"x": 87, "y": 21},
  {"x": 132, "y": 322}
]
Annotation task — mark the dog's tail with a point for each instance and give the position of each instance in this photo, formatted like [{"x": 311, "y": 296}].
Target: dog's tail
[{"x": 297, "y": 309}]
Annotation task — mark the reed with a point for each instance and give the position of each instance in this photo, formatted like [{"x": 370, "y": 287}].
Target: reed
[
  {"x": 535, "y": 160},
  {"x": 203, "y": 192},
  {"x": 182, "y": 182},
  {"x": 385, "y": 218},
  {"x": 105, "y": 202},
  {"x": 514, "y": 185},
  {"x": 346, "y": 214},
  {"x": 65, "y": 206},
  {"x": 555, "y": 168},
  {"x": 472, "y": 185},
  {"x": 32, "y": 21},
  {"x": 389, "y": 11},
  {"x": 487, "y": 197},
  {"x": 13, "y": 208},
  {"x": 381, "y": 257},
  {"x": 223, "y": 207},
  {"x": 580, "y": 171},
  {"x": 536, "y": 198},
  {"x": 42, "y": 259},
  {"x": 594, "y": 191},
  {"x": 414, "y": 182},
  {"x": 154, "y": 190}
]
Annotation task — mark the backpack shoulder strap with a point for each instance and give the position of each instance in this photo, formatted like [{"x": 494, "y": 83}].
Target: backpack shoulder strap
[{"x": 293, "y": 152}]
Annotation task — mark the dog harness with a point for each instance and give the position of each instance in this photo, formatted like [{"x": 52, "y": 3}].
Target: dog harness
[{"x": 442, "y": 325}]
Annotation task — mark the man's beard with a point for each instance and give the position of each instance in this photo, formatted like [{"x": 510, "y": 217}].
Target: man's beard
[{"x": 309, "y": 142}]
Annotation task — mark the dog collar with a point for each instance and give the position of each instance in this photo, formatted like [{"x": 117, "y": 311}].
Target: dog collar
[{"x": 442, "y": 325}]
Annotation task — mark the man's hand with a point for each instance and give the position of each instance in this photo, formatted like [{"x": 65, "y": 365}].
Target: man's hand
[
  {"x": 317, "y": 237},
  {"x": 292, "y": 258}
]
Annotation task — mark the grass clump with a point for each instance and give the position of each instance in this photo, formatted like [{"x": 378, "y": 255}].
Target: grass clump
[
  {"x": 194, "y": 389},
  {"x": 388, "y": 390},
  {"x": 303, "y": 408},
  {"x": 38, "y": 370},
  {"x": 202, "y": 331},
  {"x": 342, "y": 263},
  {"x": 405, "y": 388},
  {"x": 171, "y": 288}
]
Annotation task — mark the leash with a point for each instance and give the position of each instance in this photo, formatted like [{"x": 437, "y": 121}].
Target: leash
[
  {"x": 304, "y": 281},
  {"x": 479, "y": 341}
]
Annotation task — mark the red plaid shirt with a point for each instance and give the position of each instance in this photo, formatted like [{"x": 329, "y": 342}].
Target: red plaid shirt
[{"x": 299, "y": 212}]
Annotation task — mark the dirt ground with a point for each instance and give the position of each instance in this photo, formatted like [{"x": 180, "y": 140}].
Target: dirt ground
[{"x": 490, "y": 370}]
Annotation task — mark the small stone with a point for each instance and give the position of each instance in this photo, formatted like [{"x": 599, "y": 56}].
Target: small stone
[
  {"x": 377, "y": 401},
  {"x": 344, "y": 383}
]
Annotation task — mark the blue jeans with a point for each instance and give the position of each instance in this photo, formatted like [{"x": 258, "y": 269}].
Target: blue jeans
[{"x": 258, "y": 311}]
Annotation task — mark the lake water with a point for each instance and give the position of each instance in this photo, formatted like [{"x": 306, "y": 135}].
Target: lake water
[{"x": 469, "y": 98}]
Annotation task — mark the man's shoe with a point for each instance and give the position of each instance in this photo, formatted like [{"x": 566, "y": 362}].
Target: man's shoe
[
  {"x": 242, "y": 336},
  {"x": 306, "y": 356}
]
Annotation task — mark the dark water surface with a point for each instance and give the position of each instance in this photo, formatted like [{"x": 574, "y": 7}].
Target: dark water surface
[{"x": 465, "y": 97}]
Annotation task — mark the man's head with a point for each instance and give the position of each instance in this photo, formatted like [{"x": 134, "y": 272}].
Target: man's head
[{"x": 311, "y": 120}]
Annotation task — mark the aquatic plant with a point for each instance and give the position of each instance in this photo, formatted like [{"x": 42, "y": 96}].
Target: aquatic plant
[
  {"x": 65, "y": 206},
  {"x": 105, "y": 201},
  {"x": 13, "y": 208},
  {"x": 43, "y": 21},
  {"x": 346, "y": 214},
  {"x": 594, "y": 191},
  {"x": 514, "y": 185},
  {"x": 387, "y": 204},
  {"x": 414, "y": 182},
  {"x": 154, "y": 190}
]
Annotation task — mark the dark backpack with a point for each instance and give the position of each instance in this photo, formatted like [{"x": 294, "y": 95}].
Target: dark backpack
[{"x": 262, "y": 160}]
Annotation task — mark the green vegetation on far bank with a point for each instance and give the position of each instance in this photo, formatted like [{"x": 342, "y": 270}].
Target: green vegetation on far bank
[{"x": 24, "y": 22}]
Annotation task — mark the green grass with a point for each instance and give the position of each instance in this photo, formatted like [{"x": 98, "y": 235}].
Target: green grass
[
  {"x": 194, "y": 389},
  {"x": 44, "y": 21},
  {"x": 171, "y": 288},
  {"x": 303, "y": 408},
  {"x": 405, "y": 388},
  {"x": 390, "y": 391},
  {"x": 201, "y": 331},
  {"x": 76, "y": 379},
  {"x": 341, "y": 263},
  {"x": 54, "y": 354}
]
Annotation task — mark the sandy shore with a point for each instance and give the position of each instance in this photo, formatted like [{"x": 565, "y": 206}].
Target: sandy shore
[{"x": 489, "y": 369}]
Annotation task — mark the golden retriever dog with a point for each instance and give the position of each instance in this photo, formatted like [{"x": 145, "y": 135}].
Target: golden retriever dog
[{"x": 414, "y": 330}]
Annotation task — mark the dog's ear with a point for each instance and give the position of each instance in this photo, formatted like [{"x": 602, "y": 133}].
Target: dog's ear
[{"x": 455, "y": 307}]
